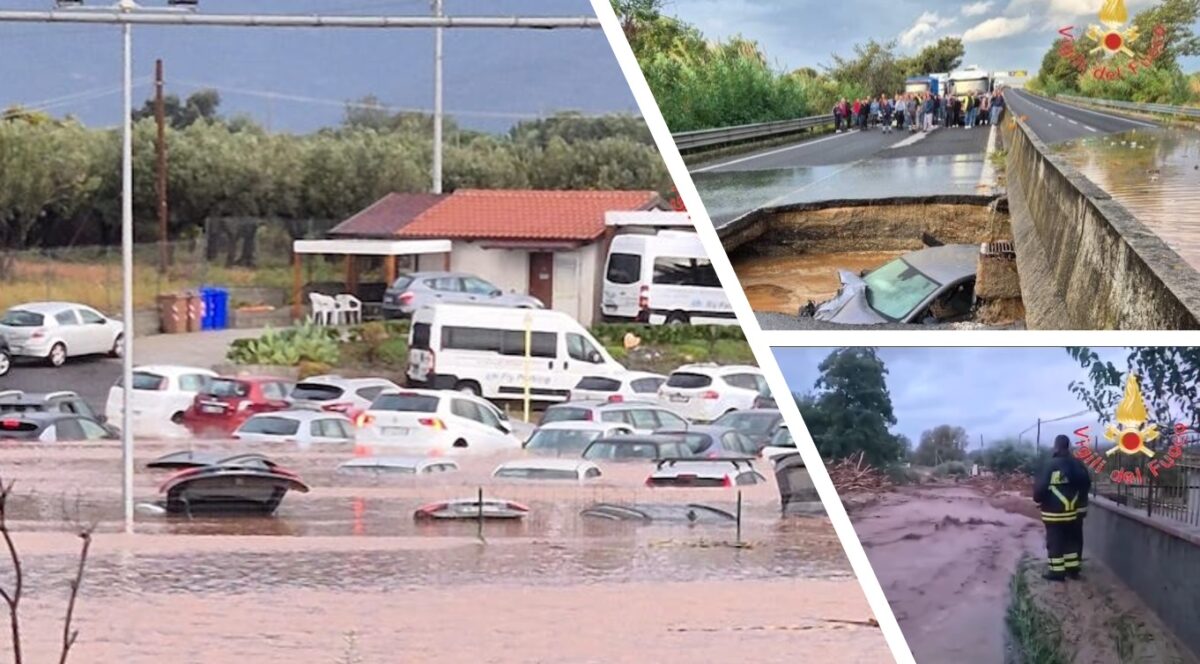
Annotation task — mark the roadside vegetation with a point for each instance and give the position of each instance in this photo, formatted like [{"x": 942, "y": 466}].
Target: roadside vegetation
[
  {"x": 1163, "y": 83},
  {"x": 1037, "y": 634},
  {"x": 704, "y": 84}
]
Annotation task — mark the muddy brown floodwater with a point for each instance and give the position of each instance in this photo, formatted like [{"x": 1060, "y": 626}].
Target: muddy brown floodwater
[
  {"x": 344, "y": 574},
  {"x": 783, "y": 284},
  {"x": 945, "y": 556}
]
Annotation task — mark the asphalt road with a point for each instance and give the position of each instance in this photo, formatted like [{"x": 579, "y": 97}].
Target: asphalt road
[
  {"x": 91, "y": 377},
  {"x": 853, "y": 146},
  {"x": 1055, "y": 122}
]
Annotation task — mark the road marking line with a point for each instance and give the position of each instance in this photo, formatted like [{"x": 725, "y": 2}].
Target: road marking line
[
  {"x": 1089, "y": 128},
  {"x": 988, "y": 175},
  {"x": 767, "y": 154},
  {"x": 1103, "y": 115},
  {"x": 919, "y": 136},
  {"x": 1073, "y": 122}
]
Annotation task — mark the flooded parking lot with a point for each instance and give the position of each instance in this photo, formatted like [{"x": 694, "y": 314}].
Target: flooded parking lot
[
  {"x": 1154, "y": 173},
  {"x": 345, "y": 572}
]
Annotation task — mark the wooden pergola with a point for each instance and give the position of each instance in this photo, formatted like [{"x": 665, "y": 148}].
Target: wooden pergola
[{"x": 352, "y": 249}]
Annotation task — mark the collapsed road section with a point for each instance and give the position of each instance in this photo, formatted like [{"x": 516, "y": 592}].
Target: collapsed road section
[{"x": 930, "y": 260}]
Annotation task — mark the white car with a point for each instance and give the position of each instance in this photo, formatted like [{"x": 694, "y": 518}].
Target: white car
[
  {"x": 389, "y": 465},
  {"x": 54, "y": 331},
  {"x": 627, "y": 386},
  {"x": 161, "y": 393},
  {"x": 305, "y": 427},
  {"x": 704, "y": 392},
  {"x": 349, "y": 396},
  {"x": 436, "y": 421},
  {"x": 571, "y": 437},
  {"x": 571, "y": 470},
  {"x": 704, "y": 473},
  {"x": 643, "y": 417}
]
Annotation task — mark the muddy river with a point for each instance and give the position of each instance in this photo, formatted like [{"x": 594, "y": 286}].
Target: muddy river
[{"x": 344, "y": 574}]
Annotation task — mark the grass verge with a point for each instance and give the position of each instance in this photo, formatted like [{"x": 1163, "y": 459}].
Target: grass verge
[{"x": 1037, "y": 634}]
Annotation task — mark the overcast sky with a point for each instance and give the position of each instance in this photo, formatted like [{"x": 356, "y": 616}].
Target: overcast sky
[
  {"x": 996, "y": 392},
  {"x": 520, "y": 72},
  {"x": 998, "y": 34}
]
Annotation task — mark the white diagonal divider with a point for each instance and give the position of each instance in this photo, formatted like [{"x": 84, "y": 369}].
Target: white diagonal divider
[{"x": 754, "y": 335}]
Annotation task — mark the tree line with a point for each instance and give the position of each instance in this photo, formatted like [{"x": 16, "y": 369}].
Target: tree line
[
  {"x": 1162, "y": 83},
  {"x": 60, "y": 181},
  {"x": 849, "y": 411},
  {"x": 702, "y": 84}
]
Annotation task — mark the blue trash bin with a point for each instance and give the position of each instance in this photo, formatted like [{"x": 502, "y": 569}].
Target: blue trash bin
[
  {"x": 220, "y": 308},
  {"x": 209, "y": 317}
]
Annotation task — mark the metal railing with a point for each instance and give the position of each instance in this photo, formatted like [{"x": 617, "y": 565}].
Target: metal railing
[
  {"x": 691, "y": 140},
  {"x": 1172, "y": 493},
  {"x": 1161, "y": 109}
]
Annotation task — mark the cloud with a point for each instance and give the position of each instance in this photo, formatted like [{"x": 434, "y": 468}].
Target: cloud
[
  {"x": 977, "y": 8},
  {"x": 925, "y": 25},
  {"x": 997, "y": 28}
]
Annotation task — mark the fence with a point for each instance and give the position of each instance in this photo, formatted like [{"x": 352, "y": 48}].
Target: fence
[
  {"x": 1173, "y": 493},
  {"x": 1162, "y": 109},
  {"x": 691, "y": 140}
]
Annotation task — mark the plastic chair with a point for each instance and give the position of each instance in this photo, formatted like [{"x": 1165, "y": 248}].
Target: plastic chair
[
  {"x": 323, "y": 309},
  {"x": 350, "y": 308}
]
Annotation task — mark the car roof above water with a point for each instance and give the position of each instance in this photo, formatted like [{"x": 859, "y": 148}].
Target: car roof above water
[{"x": 946, "y": 264}]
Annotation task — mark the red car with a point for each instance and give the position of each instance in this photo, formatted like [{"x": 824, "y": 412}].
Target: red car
[{"x": 226, "y": 402}]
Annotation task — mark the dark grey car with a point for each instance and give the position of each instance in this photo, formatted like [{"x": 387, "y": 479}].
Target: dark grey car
[
  {"x": 421, "y": 289},
  {"x": 932, "y": 285},
  {"x": 5, "y": 357}
]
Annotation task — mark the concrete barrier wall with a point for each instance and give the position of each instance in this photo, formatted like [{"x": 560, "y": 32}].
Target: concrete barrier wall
[
  {"x": 1104, "y": 269},
  {"x": 1154, "y": 557}
]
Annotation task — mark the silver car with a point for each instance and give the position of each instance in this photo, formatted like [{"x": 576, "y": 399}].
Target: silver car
[
  {"x": 421, "y": 289},
  {"x": 933, "y": 285},
  {"x": 54, "y": 331}
]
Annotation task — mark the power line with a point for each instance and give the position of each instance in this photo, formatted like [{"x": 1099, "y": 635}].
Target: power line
[{"x": 305, "y": 99}]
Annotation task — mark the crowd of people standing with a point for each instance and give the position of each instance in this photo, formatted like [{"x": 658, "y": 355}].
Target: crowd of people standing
[{"x": 919, "y": 111}]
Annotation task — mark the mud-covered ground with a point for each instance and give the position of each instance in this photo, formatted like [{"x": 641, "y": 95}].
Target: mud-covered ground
[
  {"x": 344, "y": 574},
  {"x": 946, "y": 555}
]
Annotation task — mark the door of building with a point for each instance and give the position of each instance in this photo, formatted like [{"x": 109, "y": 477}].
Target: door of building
[{"x": 541, "y": 276}]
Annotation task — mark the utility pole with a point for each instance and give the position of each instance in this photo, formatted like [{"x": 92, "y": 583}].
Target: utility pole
[
  {"x": 437, "y": 100},
  {"x": 1039, "y": 436},
  {"x": 160, "y": 146}
]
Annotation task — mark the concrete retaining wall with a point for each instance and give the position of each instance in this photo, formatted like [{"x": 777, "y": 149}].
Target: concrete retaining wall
[
  {"x": 1104, "y": 268},
  {"x": 1155, "y": 557}
]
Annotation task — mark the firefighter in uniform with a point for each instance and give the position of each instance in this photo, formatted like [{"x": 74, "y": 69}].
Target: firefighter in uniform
[
  {"x": 1074, "y": 558},
  {"x": 1056, "y": 491}
]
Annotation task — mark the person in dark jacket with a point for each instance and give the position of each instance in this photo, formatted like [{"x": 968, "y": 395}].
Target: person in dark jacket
[
  {"x": 1083, "y": 477},
  {"x": 1056, "y": 491}
]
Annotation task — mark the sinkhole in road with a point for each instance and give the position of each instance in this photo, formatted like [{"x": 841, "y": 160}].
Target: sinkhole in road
[{"x": 788, "y": 256}]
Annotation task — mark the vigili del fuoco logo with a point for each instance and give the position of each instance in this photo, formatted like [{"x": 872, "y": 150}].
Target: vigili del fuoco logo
[
  {"x": 1131, "y": 434},
  {"x": 1111, "y": 39}
]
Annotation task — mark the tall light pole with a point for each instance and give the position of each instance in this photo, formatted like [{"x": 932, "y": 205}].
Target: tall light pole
[
  {"x": 437, "y": 100},
  {"x": 126, "y": 13},
  {"x": 127, "y": 277}
]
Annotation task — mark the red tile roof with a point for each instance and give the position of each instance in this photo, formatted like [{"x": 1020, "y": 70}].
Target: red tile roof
[
  {"x": 387, "y": 215},
  {"x": 524, "y": 214}
]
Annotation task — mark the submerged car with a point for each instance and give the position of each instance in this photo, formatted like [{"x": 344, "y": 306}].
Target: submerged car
[
  {"x": 931, "y": 285},
  {"x": 161, "y": 394},
  {"x": 713, "y": 441},
  {"x": 570, "y": 437},
  {"x": 571, "y": 470},
  {"x": 704, "y": 473},
  {"x": 249, "y": 484},
  {"x": 642, "y": 417},
  {"x": 781, "y": 444},
  {"x": 62, "y": 401},
  {"x": 224, "y": 403},
  {"x": 471, "y": 508},
  {"x": 758, "y": 424},
  {"x": 397, "y": 465},
  {"x": 410, "y": 292},
  {"x": 627, "y": 386},
  {"x": 5, "y": 356},
  {"x": 52, "y": 427},
  {"x": 304, "y": 427},
  {"x": 636, "y": 448},
  {"x": 434, "y": 422}
]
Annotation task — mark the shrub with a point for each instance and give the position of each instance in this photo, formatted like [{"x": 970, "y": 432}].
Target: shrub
[{"x": 306, "y": 343}]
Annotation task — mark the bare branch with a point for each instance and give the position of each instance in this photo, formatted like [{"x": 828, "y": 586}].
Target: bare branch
[
  {"x": 13, "y": 599},
  {"x": 70, "y": 635}
]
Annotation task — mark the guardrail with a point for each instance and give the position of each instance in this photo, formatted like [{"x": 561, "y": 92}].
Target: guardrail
[
  {"x": 690, "y": 140},
  {"x": 1164, "y": 109}
]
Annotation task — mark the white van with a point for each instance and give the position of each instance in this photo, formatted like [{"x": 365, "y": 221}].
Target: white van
[
  {"x": 663, "y": 278},
  {"x": 481, "y": 350}
]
